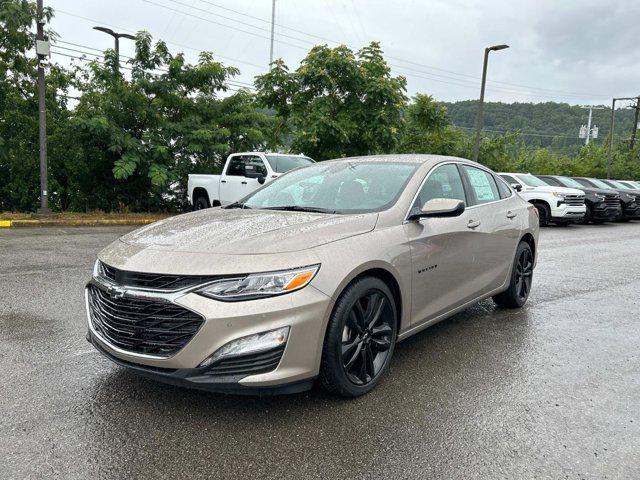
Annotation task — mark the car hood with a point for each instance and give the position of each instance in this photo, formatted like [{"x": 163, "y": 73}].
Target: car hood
[{"x": 248, "y": 232}]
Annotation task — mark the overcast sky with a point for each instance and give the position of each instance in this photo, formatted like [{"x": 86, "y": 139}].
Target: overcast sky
[{"x": 579, "y": 52}]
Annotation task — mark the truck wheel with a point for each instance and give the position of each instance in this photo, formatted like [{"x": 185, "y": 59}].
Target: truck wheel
[
  {"x": 588, "y": 215},
  {"x": 201, "y": 203},
  {"x": 544, "y": 214},
  {"x": 521, "y": 279}
]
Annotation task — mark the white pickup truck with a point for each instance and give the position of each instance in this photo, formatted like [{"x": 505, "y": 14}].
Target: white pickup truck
[
  {"x": 242, "y": 174},
  {"x": 560, "y": 205}
]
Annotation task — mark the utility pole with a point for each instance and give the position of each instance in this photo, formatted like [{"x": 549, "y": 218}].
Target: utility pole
[
  {"x": 41, "y": 51},
  {"x": 635, "y": 123},
  {"x": 273, "y": 24},
  {"x": 480, "y": 115},
  {"x": 586, "y": 131},
  {"x": 613, "y": 124},
  {"x": 116, "y": 36}
]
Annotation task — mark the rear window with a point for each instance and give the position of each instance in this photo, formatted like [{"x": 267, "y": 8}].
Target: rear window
[{"x": 284, "y": 163}]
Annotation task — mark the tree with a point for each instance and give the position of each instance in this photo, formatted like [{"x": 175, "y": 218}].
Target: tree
[
  {"x": 336, "y": 103},
  {"x": 19, "y": 147},
  {"x": 142, "y": 136}
]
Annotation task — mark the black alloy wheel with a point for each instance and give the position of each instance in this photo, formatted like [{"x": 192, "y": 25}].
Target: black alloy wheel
[
  {"x": 360, "y": 338},
  {"x": 367, "y": 336},
  {"x": 524, "y": 274},
  {"x": 516, "y": 295}
]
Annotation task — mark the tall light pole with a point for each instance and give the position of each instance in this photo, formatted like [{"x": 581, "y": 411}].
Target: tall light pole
[
  {"x": 273, "y": 24},
  {"x": 117, "y": 36},
  {"x": 41, "y": 48},
  {"x": 479, "y": 118},
  {"x": 613, "y": 122}
]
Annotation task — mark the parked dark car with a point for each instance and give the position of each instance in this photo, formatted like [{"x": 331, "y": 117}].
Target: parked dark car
[
  {"x": 627, "y": 202},
  {"x": 632, "y": 210},
  {"x": 603, "y": 205}
]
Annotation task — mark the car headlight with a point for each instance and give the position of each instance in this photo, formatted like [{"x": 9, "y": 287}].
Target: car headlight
[
  {"x": 259, "y": 285},
  {"x": 559, "y": 195},
  {"x": 600, "y": 196}
]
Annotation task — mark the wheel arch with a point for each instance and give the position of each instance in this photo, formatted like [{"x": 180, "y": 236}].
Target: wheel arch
[
  {"x": 390, "y": 278},
  {"x": 531, "y": 241},
  {"x": 200, "y": 192}
]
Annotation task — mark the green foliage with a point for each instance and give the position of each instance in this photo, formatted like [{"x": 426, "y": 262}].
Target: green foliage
[
  {"x": 336, "y": 103},
  {"x": 138, "y": 129}
]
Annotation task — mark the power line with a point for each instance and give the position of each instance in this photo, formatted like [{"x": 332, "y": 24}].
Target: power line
[
  {"x": 546, "y": 90},
  {"x": 179, "y": 45},
  {"x": 228, "y": 82}
]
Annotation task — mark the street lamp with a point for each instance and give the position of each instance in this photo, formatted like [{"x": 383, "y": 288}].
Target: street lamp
[
  {"x": 479, "y": 118},
  {"x": 117, "y": 37}
]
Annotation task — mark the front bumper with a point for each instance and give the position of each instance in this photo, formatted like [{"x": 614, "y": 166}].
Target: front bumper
[
  {"x": 197, "y": 378},
  {"x": 603, "y": 212},
  {"x": 568, "y": 212},
  {"x": 305, "y": 311},
  {"x": 631, "y": 211}
]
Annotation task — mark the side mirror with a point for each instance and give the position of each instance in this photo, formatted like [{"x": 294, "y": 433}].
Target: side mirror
[
  {"x": 517, "y": 187},
  {"x": 439, "y": 208},
  {"x": 250, "y": 171}
]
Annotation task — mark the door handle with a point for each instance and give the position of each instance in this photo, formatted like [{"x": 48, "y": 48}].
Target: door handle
[
  {"x": 244, "y": 183},
  {"x": 473, "y": 224},
  {"x": 223, "y": 181},
  {"x": 511, "y": 214}
]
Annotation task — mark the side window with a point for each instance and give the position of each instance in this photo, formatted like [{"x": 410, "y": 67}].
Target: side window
[
  {"x": 503, "y": 188},
  {"x": 510, "y": 179},
  {"x": 259, "y": 164},
  {"x": 483, "y": 186},
  {"x": 236, "y": 166},
  {"x": 551, "y": 181},
  {"x": 443, "y": 182}
]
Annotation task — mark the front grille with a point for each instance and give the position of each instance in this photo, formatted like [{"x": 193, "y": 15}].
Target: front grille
[
  {"x": 612, "y": 201},
  {"x": 152, "y": 281},
  {"x": 574, "y": 200},
  {"x": 251, "y": 364},
  {"x": 139, "y": 325}
]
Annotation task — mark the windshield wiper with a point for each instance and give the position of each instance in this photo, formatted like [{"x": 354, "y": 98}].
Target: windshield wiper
[
  {"x": 298, "y": 208},
  {"x": 237, "y": 205}
]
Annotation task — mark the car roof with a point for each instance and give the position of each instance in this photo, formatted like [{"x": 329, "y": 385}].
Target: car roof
[
  {"x": 271, "y": 153},
  {"x": 405, "y": 158}
]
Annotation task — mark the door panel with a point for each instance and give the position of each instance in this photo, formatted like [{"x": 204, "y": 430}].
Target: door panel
[
  {"x": 441, "y": 250},
  {"x": 497, "y": 229},
  {"x": 234, "y": 185}
]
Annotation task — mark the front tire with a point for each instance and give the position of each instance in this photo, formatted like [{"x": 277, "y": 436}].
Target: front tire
[
  {"x": 521, "y": 279},
  {"x": 360, "y": 338},
  {"x": 544, "y": 212}
]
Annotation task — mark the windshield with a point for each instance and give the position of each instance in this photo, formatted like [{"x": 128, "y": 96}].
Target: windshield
[
  {"x": 600, "y": 184},
  {"x": 531, "y": 181},
  {"x": 335, "y": 187},
  {"x": 619, "y": 185},
  {"x": 569, "y": 182},
  {"x": 284, "y": 163}
]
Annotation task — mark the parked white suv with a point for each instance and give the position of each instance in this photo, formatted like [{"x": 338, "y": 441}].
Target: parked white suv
[
  {"x": 242, "y": 174},
  {"x": 560, "y": 205}
]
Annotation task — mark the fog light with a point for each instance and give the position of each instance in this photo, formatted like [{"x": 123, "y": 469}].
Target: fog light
[{"x": 250, "y": 344}]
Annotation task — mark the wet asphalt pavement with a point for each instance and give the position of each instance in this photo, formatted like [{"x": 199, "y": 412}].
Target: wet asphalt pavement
[{"x": 549, "y": 391}]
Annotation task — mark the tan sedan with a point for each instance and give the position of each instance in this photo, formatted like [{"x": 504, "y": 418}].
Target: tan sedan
[{"x": 315, "y": 276}]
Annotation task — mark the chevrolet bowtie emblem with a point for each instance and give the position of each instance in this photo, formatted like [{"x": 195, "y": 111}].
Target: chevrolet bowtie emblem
[{"x": 116, "y": 292}]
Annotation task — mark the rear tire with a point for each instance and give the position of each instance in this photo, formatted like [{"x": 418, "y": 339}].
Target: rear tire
[
  {"x": 360, "y": 338},
  {"x": 201, "y": 203},
  {"x": 521, "y": 279}
]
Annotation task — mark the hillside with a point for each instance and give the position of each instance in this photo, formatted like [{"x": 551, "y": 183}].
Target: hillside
[{"x": 553, "y": 125}]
